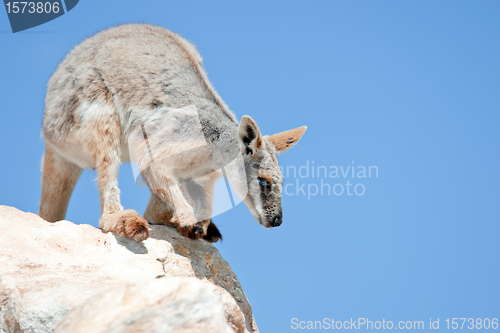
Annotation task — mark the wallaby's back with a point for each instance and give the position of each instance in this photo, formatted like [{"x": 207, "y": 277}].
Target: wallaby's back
[{"x": 135, "y": 68}]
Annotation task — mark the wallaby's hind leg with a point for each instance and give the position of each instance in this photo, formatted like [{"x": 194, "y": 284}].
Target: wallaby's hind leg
[{"x": 59, "y": 178}]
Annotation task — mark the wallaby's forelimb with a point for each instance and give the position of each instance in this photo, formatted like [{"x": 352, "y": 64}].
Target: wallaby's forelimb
[
  {"x": 104, "y": 147},
  {"x": 159, "y": 212}
]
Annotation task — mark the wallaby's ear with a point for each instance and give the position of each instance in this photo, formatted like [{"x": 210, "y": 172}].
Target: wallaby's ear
[
  {"x": 249, "y": 135},
  {"x": 284, "y": 140}
]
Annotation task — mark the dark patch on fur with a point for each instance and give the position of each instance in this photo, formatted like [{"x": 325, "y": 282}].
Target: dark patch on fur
[
  {"x": 69, "y": 115},
  {"x": 72, "y": 103},
  {"x": 156, "y": 104},
  {"x": 264, "y": 193},
  {"x": 267, "y": 198},
  {"x": 210, "y": 132},
  {"x": 250, "y": 135},
  {"x": 93, "y": 87},
  {"x": 213, "y": 234},
  {"x": 265, "y": 181},
  {"x": 192, "y": 231}
]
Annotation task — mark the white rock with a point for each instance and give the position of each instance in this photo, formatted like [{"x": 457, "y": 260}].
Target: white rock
[
  {"x": 80, "y": 279},
  {"x": 169, "y": 305}
]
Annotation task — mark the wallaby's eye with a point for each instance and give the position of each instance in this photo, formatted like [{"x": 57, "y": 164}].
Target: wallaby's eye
[{"x": 263, "y": 182}]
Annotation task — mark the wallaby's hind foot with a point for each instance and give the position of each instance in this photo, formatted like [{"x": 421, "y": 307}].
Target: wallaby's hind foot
[
  {"x": 126, "y": 223},
  {"x": 213, "y": 234}
]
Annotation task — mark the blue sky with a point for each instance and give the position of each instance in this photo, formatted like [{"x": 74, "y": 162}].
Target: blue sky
[{"x": 411, "y": 87}]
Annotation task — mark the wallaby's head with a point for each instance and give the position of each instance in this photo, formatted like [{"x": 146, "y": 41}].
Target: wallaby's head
[{"x": 264, "y": 179}]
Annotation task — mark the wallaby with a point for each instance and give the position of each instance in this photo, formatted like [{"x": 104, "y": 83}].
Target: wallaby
[{"x": 130, "y": 77}]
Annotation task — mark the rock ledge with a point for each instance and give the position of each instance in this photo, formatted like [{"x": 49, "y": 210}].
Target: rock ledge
[{"x": 65, "y": 277}]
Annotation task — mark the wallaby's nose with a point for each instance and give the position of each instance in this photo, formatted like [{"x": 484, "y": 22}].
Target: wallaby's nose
[{"x": 277, "y": 221}]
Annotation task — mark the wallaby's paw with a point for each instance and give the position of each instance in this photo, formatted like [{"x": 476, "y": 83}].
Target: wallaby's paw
[
  {"x": 213, "y": 234},
  {"x": 193, "y": 231},
  {"x": 126, "y": 223},
  {"x": 187, "y": 226},
  {"x": 135, "y": 226}
]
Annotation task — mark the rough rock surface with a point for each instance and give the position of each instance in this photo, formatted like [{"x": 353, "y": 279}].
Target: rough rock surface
[{"x": 65, "y": 277}]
